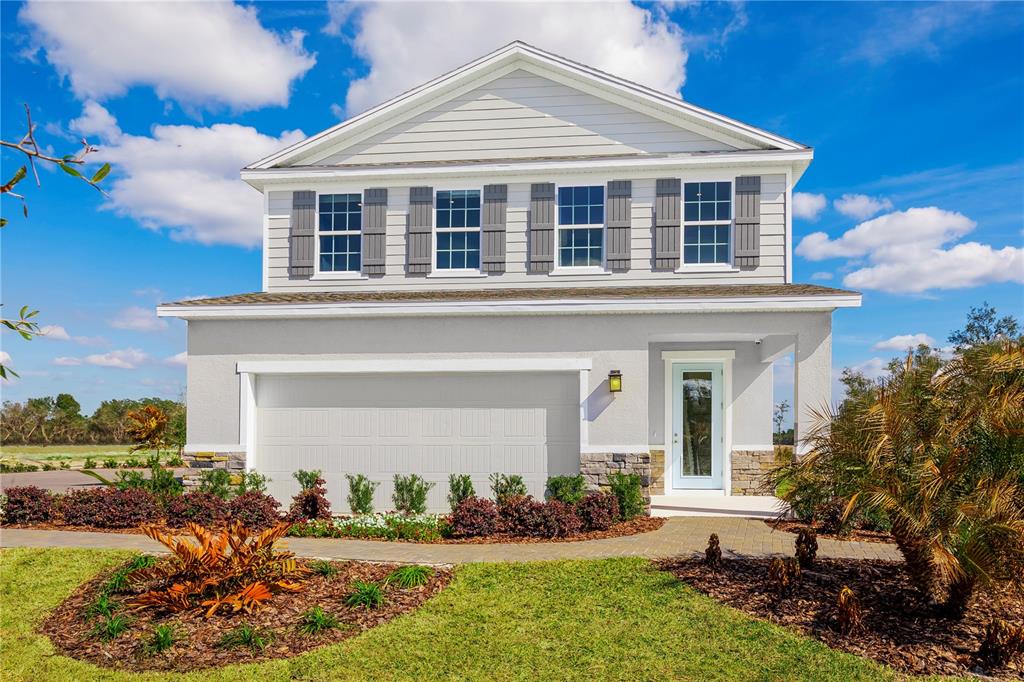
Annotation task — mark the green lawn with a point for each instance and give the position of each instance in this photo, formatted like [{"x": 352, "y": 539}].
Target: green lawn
[
  {"x": 610, "y": 619},
  {"x": 75, "y": 454}
]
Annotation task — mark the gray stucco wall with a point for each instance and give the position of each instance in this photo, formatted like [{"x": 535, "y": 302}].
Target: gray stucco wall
[{"x": 621, "y": 342}]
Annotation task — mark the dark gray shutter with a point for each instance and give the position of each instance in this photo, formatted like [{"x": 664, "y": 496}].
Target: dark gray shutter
[
  {"x": 542, "y": 227},
  {"x": 747, "y": 231},
  {"x": 619, "y": 223},
  {"x": 492, "y": 228},
  {"x": 421, "y": 224},
  {"x": 302, "y": 236},
  {"x": 375, "y": 227},
  {"x": 667, "y": 208}
]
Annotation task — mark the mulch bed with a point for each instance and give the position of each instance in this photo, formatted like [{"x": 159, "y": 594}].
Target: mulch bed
[
  {"x": 896, "y": 631},
  {"x": 856, "y": 534},
  {"x": 197, "y": 647}
]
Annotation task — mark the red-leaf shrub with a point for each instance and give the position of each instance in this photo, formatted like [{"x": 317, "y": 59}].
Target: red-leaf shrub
[
  {"x": 521, "y": 515},
  {"x": 28, "y": 504},
  {"x": 255, "y": 510},
  {"x": 475, "y": 516},
  {"x": 598, "y": 511},
  {"x": 206, "y": 509},
  {"x": 311, "y": 503},
  {"x": 559, "y": 520},
  {"x": 109, "y": 508}
]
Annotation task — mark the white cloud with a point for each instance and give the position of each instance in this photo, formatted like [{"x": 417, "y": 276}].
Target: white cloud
[
  {"x": 185, "y": 179},
  {"x": 908, "y": 252},
  {"x": 859, "y": 206},
  {"x": 55, "y": 332},
  {"x": 406, "y": 44},
  {"x": 138, "y": 319},
  {"x": 808, "y": 206},
  {"x": 127, "y": 358},
  {"x": 904, "y": 342},
  {"x": 96, "y": 121},
  {"x": 5, "y": 357},
  {"x": 927, "y": 29},
  {"x": 197, "y": 53},
  {"x": 337, "y": 111},
  {"x": 180, "y": 359},
  {"x": 64, "y": 361},
  {"x": 822, "y": 276},
  {"x": 873, "y": 368}
]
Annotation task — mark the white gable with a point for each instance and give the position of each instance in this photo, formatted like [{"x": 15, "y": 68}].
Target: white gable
[{"x": 523, "y": 115}]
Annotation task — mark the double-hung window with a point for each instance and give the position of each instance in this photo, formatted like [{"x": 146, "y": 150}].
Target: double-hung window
[
  {"x": 340, "y": 232},
  {"x": 707, "y": 222},
  {"x": 457, "y": 222},
  {"x": 580, "y": 226}
]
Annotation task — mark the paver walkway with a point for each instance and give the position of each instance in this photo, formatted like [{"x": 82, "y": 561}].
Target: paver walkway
[{"x": 679, "y": 535}]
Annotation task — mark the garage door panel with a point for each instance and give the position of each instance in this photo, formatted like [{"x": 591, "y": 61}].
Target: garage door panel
[{"x": 430, "y": 425}]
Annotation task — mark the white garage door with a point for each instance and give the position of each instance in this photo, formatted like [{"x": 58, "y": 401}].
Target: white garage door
[{"x": 426, "y": 424}]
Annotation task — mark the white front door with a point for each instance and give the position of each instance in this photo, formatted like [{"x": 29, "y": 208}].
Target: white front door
[{"x": 697, "y": 440}]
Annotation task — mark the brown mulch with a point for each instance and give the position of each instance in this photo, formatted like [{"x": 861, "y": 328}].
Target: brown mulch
[
  {"x": 56, "y": 525},
  {"x": 640, "y": 524},
  {"x": 68, "y": 628},
  {"x": 860, "y": 535},
  {"x": 897, "y": 630}
]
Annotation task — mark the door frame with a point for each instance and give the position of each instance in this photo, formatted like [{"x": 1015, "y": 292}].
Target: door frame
[{"x": 678, "y": 357}]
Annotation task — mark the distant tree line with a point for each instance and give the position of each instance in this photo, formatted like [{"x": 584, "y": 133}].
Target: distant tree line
[{"x": 59, "y": 420}]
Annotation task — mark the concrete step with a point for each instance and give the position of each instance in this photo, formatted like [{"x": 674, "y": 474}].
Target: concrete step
[{"x": 717, "y": 504}]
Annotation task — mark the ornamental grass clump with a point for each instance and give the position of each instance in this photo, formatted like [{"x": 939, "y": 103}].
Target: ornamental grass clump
[
  {"x": 246, "y": 635},
  {"x": 316, "y": 620},
  {"x": 410, "y": 576},
  {"x": 236, "y": 570},
  {"x": 367, "y": 595},
  {"x": 360, "y": 494},
  {"x": 161, "y": 639}
]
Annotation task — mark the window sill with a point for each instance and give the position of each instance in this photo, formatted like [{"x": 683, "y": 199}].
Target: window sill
[
  {"x": 448, "y": 274},
  {"x": 337, "y": 275},
  {"x": 708, "y": 267},
  {"x": 570, "y": 271}
]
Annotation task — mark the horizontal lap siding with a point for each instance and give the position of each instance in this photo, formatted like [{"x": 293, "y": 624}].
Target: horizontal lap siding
[{"x": 522, "y": 115}]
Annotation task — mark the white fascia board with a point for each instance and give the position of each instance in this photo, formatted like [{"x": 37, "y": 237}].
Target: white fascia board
[
  {"x": 510, "y": 55},
  {"x": 414, "y": 365},
  {"x": 301, "y": 176},
  {"x": 565, "y": 306}
]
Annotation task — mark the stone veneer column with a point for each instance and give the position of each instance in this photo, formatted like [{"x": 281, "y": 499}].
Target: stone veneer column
[
  {"x": 748, "y": 470},
  {"x": 657, "y": 472},
  {"x": 198, "y": 461},
  {"x": 596, "y": 467}
]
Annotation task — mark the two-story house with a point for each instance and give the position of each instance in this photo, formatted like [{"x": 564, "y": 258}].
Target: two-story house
[{"x": 524, "y": 266}]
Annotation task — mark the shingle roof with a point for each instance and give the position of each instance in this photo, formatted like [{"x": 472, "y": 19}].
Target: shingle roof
[{"x": 767, "y": 291}]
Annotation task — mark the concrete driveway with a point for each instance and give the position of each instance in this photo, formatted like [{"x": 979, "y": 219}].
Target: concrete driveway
[{"x": 64, "y": 479}]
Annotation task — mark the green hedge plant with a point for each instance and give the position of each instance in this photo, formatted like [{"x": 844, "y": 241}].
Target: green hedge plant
[
  {"x": 504, "y": 486},
  {"x": 360, "y": 494},
  {"x": 460, "y": 487},
  {"x": 628, "y": 490},
  {"x": 410, "y": 495},
  {"x": 567, "y": 489}
]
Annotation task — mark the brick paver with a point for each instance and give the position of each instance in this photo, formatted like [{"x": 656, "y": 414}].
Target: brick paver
[{"x": 679, "y": 535}]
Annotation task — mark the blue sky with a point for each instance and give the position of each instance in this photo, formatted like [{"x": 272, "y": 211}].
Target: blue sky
[{"x": 917, "y": 187}]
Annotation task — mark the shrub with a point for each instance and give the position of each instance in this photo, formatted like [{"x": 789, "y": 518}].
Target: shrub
[
  {"x": 411, "y": 494},
  {"x": 175, "y": 461},
  {"x": 216, "y": 482},
  {"x": 48, "y": 467},
  {"x": 89, "y": 463},
  {"x": 503, "y": 487},
  {"x": 521, "y": 515},
  {"x": 161, "y": 482},
  {"x": 410, "y": 576},
  {"x": 65, "y": 464},
  {"x": 598, "y": 511},
  {"x": 109, "y": 508},
  {"x": 568, "y": 489},
  {"x": 110, "y": 463},
  {"x": 206, "y": 509},
  {"x": 133, "y": 463},
  {"x": 559, "y": 520},
  {"x": 475, "y": 516},
  {"x": 251, "y": 482},
  {"x": 366, "y": 595},
  {"x": 360, "y": 494},
  {"x": 256, "y": 639},
  {"x": 254, "y": 510},
  {"x": 311, "y": 502},
  {"x": 628, "y": 490},
  {"x": 205, "y": 574},
  {"x": 1002, "y": 643},
  {"x": 460, "y": 487},
  {"x": 848, "y": 611},
  {"x": 713, "y": 553},
  {"x": 806, "y": 547},
  {"x": 316, "y": 620},
  {"x": 28, "y": 504},
  {"x": 162, "y": 639}
]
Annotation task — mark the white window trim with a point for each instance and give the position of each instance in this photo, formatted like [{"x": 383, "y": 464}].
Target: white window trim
[
  {"x": 725, "y": 357},
  {"x": 319, "y": 274},
  {"x": 730, "y": 265},
  {"x": 561, "y": 270},
  {"x": 436, "y": 272}
]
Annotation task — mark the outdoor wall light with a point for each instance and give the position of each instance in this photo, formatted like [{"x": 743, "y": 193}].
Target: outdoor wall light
[{"x": 615, "y": 381}]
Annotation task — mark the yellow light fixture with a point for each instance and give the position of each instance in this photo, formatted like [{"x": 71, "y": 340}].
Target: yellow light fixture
[{"x": 615, "y": 381}]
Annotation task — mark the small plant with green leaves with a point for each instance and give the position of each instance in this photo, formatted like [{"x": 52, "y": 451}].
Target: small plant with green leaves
[
  {"x": 316, "y": 620},
  {"x": 108, "y": 463},
  {"x": 360, "y": 494},
  {"x": 628, "y": 491},
  {"x": 323, "y": 568},
  {"x": 101, "y": 607},
  {"x": 307, "y": 479},
  {"x": 133, "y": 463},
  {"x": 216, "y": 482},
  {"x": 110, "y": 628},
  {"x": 175, "y": 461},
  {"x": 153, "y": 460},
  {"x": 410, "y": 576},
  {"x": 410, "y": 495},
  {"x": 252, "y": 482},
  {"x": 246, "y": 635},
  {"x": 568, "y": 489},
  {"x": 160, "y": 640},
  {"x": 460, "y": 487},
  {"x": 65, "y": 464},
  {"x": 118, "y": 581},
  {"x": 504, "y": 486},
  {"x": 365, "y": 595},
  {"x": 89, "y": 463}
]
